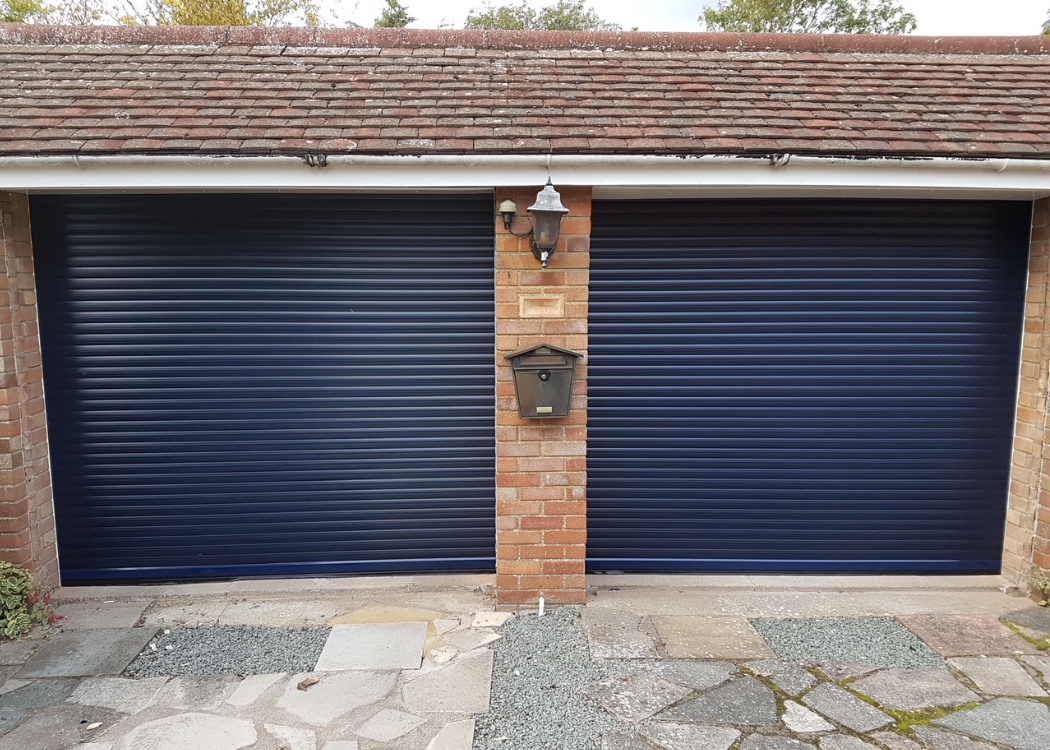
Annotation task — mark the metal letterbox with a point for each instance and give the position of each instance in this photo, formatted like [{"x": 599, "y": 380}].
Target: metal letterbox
[{"x": 543, "y": 378}]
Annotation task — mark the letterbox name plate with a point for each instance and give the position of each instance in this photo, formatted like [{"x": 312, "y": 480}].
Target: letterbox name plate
[{"x": 544, "y": 409}]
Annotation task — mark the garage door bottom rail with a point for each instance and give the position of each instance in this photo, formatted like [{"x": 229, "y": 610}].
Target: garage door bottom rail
[{"x": 895, "y": 567}]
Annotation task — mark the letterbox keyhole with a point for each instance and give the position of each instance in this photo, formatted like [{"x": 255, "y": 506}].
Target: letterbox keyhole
[{"x": 544, "y": 375}]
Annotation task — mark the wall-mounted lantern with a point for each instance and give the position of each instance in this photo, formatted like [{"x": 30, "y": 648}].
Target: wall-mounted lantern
[
  {"x": 547, "y": 214},
  {"x": 543, "y": 377}
]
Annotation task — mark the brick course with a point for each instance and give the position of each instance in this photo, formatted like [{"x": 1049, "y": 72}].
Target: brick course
[
  {"x": 27, "y": 519},
  {"x": 1027, "y": 540},
  {"x": 541, "y": 480}
]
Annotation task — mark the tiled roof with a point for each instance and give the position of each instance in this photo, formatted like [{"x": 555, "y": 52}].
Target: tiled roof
[{"x": 95, "y": 90}]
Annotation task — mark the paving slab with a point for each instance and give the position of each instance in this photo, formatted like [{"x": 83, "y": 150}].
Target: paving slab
[
  {"x": 95, "y": 615},
  {"x": 894, "y": 741},
  {"x": 15, "y": 653},
  {"x": 846, "y": 709},
  {"x": 11, "y": 719},
  {"x": 61, "y": 728},
  {"x": 800, "y": 719},
  {"x": 999, "y": 675},
  {"x": 744, "y": 701},
  {"x": 446, "y": 624},
  {"x": 191, "y": 731},
  {"x": 468, "y": 640},
  {"x": 340, "y": 745},
  {"x": 12, "y": 684},
  {"x": 460, "y": 687},
  {"x": 915, "y": 689},
  {"x": 118, "y": 693},
  {"x": 196, "y": 692},
  {"x": 620, "y": 643},
  {"x": 279, "y": 613},
  {"x": 374, "y": 646},
  {"x": 292, "y": 738},
  {"x": 940, "y": 739},
  {"x": 1041, "y": 664},
  {"x": 673, "y": 736},
  {"x": 621, "y": 741},
  {"x": 635, "y": 697},
  {"x": 459, "y": 735},
  {"x": 87, "y": 653},
  {"x": 967, "y": 635},
  {"x": 767, "y": 742},
  {"x": 787, "y": 676},
  {"x": 699, "y": 675},
  {"x": 490, "y": 619},
  {"x": 39, "y": 694},
  {"x": 839, "y": 671},
  {"x": 375, "y": 614},
  {"x": 688, "y": 637},
  {"x": 1036, "y": 618},
  {"x": 251, "y": 688},
  {"x": 388, "y": 725},
  {"x": 190, "y": 615},
  {"x": 334, "y": 695},
  {"x": 1023, "y": 725},
  {"x": 845, "y": 742},
  {"x": 609, "y": 617}
]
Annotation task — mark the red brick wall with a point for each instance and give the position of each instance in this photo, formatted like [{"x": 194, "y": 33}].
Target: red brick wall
[
  {"x": 541, "y": 464},
  {"x": 1028, "y": 515},
  {"x": 27, "y": 519}
]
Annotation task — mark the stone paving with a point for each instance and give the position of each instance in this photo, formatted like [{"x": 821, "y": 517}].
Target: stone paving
[
  {"x": 413, "y": 684},
  {"x": 415, "y": 677},
  {"x": 990, "y": 691}
]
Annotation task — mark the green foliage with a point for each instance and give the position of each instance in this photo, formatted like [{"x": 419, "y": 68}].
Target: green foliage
[
  {"x": 21, "y": 605},
  {"x": 809, "y": 17},
  {"x": 565, "y": 15},
  {"x": 38, "y": 11},
  {"x": 394, "y": 16},
  {"x": 23, "y": 11},
  {"x": 1046, "y": 23},
  {"x": 1039, "y": 581},
  {"x": 219, "y": 13}
]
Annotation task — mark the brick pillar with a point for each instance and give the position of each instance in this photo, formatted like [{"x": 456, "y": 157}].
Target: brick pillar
[
  {"x": 27, "y": 519},
  {"x": 1028, "y": 513},
  {"x": 541, "y": 464}
]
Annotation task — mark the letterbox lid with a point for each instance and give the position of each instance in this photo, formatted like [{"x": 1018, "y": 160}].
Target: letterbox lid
[{"x": 536, "y": 350}]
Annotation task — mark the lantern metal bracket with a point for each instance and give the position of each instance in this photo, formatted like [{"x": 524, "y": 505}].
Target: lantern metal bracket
[{"x": 546, "y": 217}]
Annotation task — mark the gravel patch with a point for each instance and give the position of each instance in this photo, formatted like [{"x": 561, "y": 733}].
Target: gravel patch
[
  {"x": 221, "y": 649},
  {"x": 541, "y": 666},
  {"x": 870, "y": 640}
]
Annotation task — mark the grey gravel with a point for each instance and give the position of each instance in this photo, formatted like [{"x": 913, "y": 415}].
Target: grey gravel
[
  {"x": 868, "y": 640},
  {"x": 231, "y": 650},
  {"x": 542, "y": 665}
]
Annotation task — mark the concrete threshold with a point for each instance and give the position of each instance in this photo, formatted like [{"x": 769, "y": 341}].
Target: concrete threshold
[{"x": 804, "y": 582}]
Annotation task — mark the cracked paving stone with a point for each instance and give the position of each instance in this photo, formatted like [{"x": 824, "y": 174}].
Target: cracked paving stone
[
  {"x": 837, "y": 671},
  {"x": 635, "y": 697},
  {"x": 191, "y": 731},
  {"x": 999, "y": 676},
  {"x": 789, "y": 677},
  {"x": 118, "y": 693},
  {"x": 844, "y": 742},
  {"x": 744, "y": 701},
  {"x": 1041, "y": 664},
  {"x": 388, "y": 725},
  {"x": 967, "y": 635},
  {"x": 699, "y": 675},
  {"x": 915, "y": 689},
  {"x": 846, "y": 709},
  {"x": 38, "y": 694},
  {"x": 693, "y": 637},
  {"x": 1036, "y": 618},
  {"x": 800, "y": 719},
  {"x": 939, "y": 739},
  {"x": 1024, "y": 725},
  {"x": 461, "y": 687},
  {"x": 292, "y": 738},
  {"x": 673, "y": 736},
  {"x": 335, "y": 694},
  {"x": 894, "y": 741},
  {"x": 619, "y": 741},
  {"x": 766, "y": 742}
]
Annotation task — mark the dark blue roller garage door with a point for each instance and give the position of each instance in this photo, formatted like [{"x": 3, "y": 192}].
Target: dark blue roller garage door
[
  {"x": 268, "y": 385},
  {"x": 785, "y": 385}
]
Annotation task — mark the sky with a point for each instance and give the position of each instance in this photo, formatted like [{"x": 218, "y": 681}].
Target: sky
[{"x": 935, "y": 17}]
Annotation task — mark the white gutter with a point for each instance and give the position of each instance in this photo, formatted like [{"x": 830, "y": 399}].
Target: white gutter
[{"x": 610, "y": 176}]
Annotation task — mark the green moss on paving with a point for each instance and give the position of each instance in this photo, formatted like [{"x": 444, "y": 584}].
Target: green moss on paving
[
  {"x": 1043, "y": 644},
  {"x": 908, "y": 719}
]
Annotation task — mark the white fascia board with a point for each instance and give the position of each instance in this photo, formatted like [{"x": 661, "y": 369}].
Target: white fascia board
[{"x": 610, "y": 176}]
